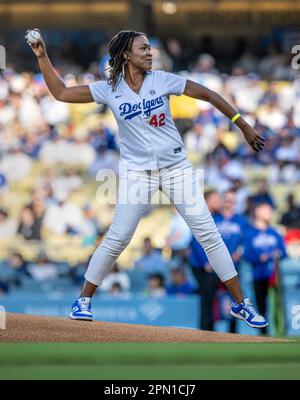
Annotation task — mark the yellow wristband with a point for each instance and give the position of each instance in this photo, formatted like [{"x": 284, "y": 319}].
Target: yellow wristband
[{"x": 234, "y": 118}]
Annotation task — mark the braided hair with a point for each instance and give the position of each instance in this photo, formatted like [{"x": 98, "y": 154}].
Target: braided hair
[{"x": 117, "y": 46}]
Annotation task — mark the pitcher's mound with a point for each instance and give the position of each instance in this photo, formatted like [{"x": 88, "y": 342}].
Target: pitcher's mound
[{"x": 29, "y": 328}]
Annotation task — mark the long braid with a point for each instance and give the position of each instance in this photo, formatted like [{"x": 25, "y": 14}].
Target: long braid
[{"x": 117, "y": 46}]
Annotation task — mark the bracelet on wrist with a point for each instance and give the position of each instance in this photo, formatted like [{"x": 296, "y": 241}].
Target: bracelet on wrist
[{"x": 235, "y": 117}]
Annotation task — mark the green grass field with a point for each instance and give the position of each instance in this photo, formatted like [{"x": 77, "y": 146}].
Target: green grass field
[{"x": 149, "y": 361}]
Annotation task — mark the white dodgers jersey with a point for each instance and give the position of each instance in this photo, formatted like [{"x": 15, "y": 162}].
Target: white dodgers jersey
[{"x": 149, "y": 139}]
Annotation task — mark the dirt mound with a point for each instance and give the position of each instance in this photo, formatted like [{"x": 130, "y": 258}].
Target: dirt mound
[{"x": 29, "y": 328}]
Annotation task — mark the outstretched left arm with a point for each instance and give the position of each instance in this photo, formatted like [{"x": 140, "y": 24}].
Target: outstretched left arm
[{"x": 201, "y": 92}]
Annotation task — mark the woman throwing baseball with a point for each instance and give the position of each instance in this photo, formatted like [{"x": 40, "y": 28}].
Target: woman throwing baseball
[{"x": 154, "y": 155}]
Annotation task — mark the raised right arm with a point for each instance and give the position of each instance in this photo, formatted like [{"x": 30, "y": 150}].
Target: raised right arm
[{"x": 75, "y": 94}]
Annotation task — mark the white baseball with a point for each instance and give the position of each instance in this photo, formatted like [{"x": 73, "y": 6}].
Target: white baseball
[{"x": 33, "y": 37}]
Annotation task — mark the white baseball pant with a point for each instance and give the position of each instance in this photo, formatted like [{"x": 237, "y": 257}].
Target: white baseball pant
[{"x": 136, "y": 188}]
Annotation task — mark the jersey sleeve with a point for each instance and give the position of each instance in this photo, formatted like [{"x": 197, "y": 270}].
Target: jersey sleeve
[
  {"x": 99, "y": 91},
  {"x": 175, "y": 84}
]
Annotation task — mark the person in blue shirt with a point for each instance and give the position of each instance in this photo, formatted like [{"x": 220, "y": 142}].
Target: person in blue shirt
[
  {"x": 103, "y": 139},
  {"x": 263, "y": 245},
  {"x": 151, "y": 261},
  {"x": 262, "y": 194},
  {"x": 179, "y": 284},
  {"x": 232, "y": 227},
  {"x": 205, "y": 276}
]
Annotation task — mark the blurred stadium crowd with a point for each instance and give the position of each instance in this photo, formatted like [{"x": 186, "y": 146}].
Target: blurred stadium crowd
[{"x": 50, "y": 153}]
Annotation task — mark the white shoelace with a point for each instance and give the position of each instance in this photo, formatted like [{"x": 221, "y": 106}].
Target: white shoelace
[
  {"x": 84, "y": 305},
  {"x": 251, "y": 308}
]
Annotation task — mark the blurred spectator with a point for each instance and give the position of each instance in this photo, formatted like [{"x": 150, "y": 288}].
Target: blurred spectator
[
  {"x": 270, "y": 114},
  {"x": 27, "y": 109},
  {"x": 44, "y": 190},
  {"x": 285, "y": 170},
  {"x": 213, "y": 173},
  {"x": 285, "y": 71},
  {"x": 205, "y": 73},
  {"x": 4, "y": 287},
  {"x": 151, "y": 261},
  {"x": 43, "y": 270},
  {"x": 205, "y": 276},
  {"x": 263, "y": 245},
  {"x": 54, "y": 112},
  {"x": 103, "y": 66},
  {"x": 270, "y": 61},
  {"x": 241, "y": 192},
  {"x": 17, "y": 263},
  {"x": 8, "y": 226},
  {"x": 7, "y": 111},
  {"x": 262, "y": 194},
  {"x": 247, "y": 92},
  {"x": 160, "y": 58},
  {"x": 29, "y": 227},
  {"x": 116, "y": 281},
  {"x": 17, "y": 269},
  {"x": 288, "y": 151},
  {"x": 103, "y": 139},
  {"x": 77, "y": 272},
  {"x": 156, "y": 285},
  {"x": 178, "y": 238},
  {"x": 202, "y": 137},
  {"x": 179, "y": 284},
  {"x": 66, "y": 183},
  {"x": 15, "y": 164},
  {"x": 291, "y": 218},
  {"x": 232, "y": 227},
  {"x": 213, "y": 200},
  {"x": 105, "y": 145},
  {"x": 32, "y": 143},
  {"x": 205, "y": 64},
  {"x": 38, "y": 207},
  {"x": 90, "y": 225},
  {"x": 75, "y": 152},
  {"x": 194, "y": 140},
  {"x": 65, "y": 217},
  {"x": 248, "y": 61},
  {"x": 176, "y": 52},
  {"x": 115, "y": 290}
]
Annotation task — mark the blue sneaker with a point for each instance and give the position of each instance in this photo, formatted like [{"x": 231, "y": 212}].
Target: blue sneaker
[
  {"x": 247, "y": 312},
  {"x": 81, "y": 309}
]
